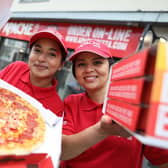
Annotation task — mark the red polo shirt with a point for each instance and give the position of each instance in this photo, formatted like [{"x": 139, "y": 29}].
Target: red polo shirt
[
  {"x": 18, "y": 73},
  {"x": 80, "y": 113}
]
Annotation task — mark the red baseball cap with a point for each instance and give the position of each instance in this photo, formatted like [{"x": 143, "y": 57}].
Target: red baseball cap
[
  {"x": 50, "y": 34},
  {"x": 92, "y": 46}
]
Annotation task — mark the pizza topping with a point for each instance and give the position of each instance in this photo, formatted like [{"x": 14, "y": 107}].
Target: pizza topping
[{"x": 21, "y": 125}]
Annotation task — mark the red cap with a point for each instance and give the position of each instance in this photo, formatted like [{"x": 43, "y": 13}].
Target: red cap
[
  {"x": 92, "y": 46},
  {"x": 50, "y": 34}
]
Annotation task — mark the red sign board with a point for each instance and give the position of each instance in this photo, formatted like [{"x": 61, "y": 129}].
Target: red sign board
[{"x": 122, "y": 40}]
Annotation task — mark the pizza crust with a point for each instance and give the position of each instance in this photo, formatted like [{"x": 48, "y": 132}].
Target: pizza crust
[{"x": 22, "y": 127}]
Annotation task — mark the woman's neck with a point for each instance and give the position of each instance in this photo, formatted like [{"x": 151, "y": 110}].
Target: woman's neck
[
  {"x": 41, "y": 82},
  {"x": 97, "y": 95}
]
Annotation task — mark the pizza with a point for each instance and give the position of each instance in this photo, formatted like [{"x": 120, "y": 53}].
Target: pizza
[{"x": 22, "y": 127}]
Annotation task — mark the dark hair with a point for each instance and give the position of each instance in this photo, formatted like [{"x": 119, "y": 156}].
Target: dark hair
[
  {"x": 110, "y": 60},
  {"x": 64, "y": 54}
]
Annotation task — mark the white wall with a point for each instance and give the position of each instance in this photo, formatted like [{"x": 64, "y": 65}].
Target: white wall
[{"x": 93, "y": 5}]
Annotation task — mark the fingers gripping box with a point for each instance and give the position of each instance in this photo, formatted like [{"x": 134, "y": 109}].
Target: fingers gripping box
[{"x": 137, "y": 95}]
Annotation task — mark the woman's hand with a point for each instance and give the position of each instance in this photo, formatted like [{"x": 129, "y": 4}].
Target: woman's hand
[
  {"x": 74, "y": 145},
  {"x": 109, "y": 127}
]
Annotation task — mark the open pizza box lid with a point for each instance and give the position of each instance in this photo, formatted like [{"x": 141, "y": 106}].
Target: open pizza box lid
[
  {"x": 137, "y": 95},
  {"x": 49, "y": 151}
]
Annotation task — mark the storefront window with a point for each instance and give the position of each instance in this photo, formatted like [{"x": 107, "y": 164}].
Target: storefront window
[
  {"x": 12, "y": 50},
  {"x": 67, "y": 84}
]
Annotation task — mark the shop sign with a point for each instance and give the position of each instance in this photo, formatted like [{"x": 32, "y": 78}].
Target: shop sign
[{"x": 122, "y": 40}]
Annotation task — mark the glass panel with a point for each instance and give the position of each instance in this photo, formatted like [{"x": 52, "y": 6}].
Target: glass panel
[
  {"x": 67, "y": 84},
  {"x": 12, "y": 50}
]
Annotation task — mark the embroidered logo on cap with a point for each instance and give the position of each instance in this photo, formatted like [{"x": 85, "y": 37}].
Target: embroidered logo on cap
[
  {"x": 93, "y": 43},
  {"x": 56, "y": 33}
]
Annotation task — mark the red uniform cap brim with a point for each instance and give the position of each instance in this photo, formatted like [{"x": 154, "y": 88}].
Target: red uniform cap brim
[
  {"x": 99, "y": 51},
  {"x": 49, "y": 35}
]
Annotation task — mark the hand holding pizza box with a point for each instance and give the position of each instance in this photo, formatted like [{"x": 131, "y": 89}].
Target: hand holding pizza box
[
  {"x": 29, "y": 133},
  {"x": 137, "y": 96}
]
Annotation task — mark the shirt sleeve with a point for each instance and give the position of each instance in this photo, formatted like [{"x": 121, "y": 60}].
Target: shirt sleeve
[
  {"x": 12, "y": 69},
  {"x": 69, "y": 117},
  {"x": 5, "y": 71},
  {"x": 156, "y": 156}
]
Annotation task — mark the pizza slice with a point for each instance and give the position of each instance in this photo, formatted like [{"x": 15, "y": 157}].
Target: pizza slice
[{"x": 22, "y": 127}]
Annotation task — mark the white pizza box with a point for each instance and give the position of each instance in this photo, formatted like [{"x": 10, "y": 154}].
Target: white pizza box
[
  {"x": 137, "y": 95},
  {"x": 52, "y": 144}
]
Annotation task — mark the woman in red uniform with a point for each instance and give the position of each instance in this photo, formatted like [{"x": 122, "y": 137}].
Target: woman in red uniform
[
  {"x": 37, "y": 78},
  {"x": 90, "y": 139}
]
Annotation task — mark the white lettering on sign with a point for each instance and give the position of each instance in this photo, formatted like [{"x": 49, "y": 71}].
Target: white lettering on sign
[
  {"x": 121, "y": 113},
  {"x": 164, "y": 90},
  {"x": 124, "y": 91},
  {"x": 117, "y": 39},
  {"x": 107, "y": 43},
  {"x": 120, "y": 45},
  {"x": 19, "y": 28},
  {"x": 84, "y": 31},
  {"x": 119, "y": 35},
  {"x": 162, "y": 121},
  {"x": 76, "y": 39},
  {"x": 127, "y": 69},
  {"x": 99, "y": 32}
]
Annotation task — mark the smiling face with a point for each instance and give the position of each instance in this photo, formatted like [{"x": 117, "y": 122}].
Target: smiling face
[
  {"x": 44, "y": 59},
  {"x": 91, "y": 71}
]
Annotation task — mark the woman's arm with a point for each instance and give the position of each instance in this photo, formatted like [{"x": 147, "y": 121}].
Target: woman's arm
[
  {"x": 164, "y": 165},
  {"x": 74, "y": 145}
]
